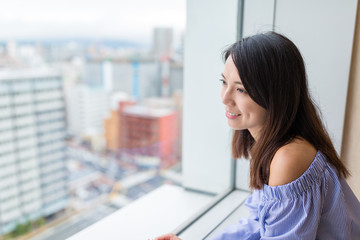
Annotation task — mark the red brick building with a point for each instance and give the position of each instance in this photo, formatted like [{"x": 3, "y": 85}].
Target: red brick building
[
  {"x": 112, "y": 126},
  {"x": 144, "y": 133}
]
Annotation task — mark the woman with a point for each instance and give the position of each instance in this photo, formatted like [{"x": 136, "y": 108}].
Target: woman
[{"x": 297, "y": 176}]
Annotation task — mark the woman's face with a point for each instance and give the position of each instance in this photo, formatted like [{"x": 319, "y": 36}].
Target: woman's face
[{"x": 241, "y": 111}]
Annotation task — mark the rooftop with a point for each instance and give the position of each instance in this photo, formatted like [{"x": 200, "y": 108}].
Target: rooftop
[
  {"x": 26, "y": 73},
  {"x": 147, "y": 112}
]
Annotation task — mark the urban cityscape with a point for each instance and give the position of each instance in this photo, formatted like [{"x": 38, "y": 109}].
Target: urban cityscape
[{"x": 87, "y": 126}]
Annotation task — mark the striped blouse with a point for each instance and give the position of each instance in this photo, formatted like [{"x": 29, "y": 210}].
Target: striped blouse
[{"x": 317, "y": 205}]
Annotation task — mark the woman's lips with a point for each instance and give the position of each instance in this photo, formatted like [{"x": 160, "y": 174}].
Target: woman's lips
[{"x": 231, "y": 115}]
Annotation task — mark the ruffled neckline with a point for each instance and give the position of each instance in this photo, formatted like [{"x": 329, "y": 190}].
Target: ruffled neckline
[{"x": 291, "y": 190}]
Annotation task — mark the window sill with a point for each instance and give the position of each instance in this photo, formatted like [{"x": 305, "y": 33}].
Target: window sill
[
  {"x": 161, "y": 211},
  {"x": 224, "y": 213},
  {"x": 164, "y": 210}
]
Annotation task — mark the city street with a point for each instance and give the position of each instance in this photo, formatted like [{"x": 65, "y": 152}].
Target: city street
[{"x": 99, "y": 186}]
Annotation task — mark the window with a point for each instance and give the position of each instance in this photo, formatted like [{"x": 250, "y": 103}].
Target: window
[
  {"x": 92, "y": 92},
  {"x": 112, "y": 111}
]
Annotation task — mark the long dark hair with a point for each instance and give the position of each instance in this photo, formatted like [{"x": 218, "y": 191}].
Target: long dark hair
[{"x": 273, "y": 73}]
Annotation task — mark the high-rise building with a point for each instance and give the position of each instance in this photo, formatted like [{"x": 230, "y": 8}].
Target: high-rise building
[
  {"x": 163, "y": 42},
  {"x": 107, "y": 75},
  {"x": 176, "y": 77},
  {"x": 32, "y": 147},
  {"x": 139, "y": 78},
  {"x": 86, "y": 110},
  {"x": 11, "y": 49}
]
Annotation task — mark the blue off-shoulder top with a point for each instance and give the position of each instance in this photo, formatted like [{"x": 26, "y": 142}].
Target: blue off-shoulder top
[{"x": 318, "y": 205}]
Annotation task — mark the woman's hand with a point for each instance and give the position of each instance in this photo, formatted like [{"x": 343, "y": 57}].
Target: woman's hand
[{"x": 169, "y": 236}]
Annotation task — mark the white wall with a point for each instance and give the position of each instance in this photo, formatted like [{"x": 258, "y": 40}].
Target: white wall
[{"x": 323, "y": 30}]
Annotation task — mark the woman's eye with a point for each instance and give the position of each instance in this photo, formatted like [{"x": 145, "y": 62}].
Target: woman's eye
[
  {"x": 241, "y": 90},
  {"x": 222, "y": 81}
]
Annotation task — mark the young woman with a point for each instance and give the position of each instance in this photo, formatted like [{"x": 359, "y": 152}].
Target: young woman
[{"x": 295, "y": 172}]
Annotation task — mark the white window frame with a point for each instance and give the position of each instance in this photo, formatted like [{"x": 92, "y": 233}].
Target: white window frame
[{"x": 207, "y": 163}]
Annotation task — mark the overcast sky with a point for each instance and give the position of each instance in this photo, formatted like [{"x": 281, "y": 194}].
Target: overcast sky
[{"x": 132, "y": 19}]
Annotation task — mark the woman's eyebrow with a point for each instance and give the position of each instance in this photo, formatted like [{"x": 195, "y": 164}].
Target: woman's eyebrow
[
  {"x": 223, "y": 76},
  {"x": 240, "y": 83}
]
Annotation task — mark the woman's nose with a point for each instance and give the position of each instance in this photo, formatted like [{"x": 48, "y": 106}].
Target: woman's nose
[{"x": 226, "y": 97}]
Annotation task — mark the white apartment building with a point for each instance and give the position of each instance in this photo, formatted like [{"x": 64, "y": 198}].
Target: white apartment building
[
  {"x": 86, "y": 110},
  {"x": 32, "y": 146}
]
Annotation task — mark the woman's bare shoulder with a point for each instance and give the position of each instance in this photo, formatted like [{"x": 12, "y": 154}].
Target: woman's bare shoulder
[{"x": 291, "y": 161}]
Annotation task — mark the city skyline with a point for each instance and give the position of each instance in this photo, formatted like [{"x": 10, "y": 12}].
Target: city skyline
[{"x": 58, "y": 166}]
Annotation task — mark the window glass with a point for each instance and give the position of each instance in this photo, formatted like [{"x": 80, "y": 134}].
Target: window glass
[{"x": 91, "y": 109}]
